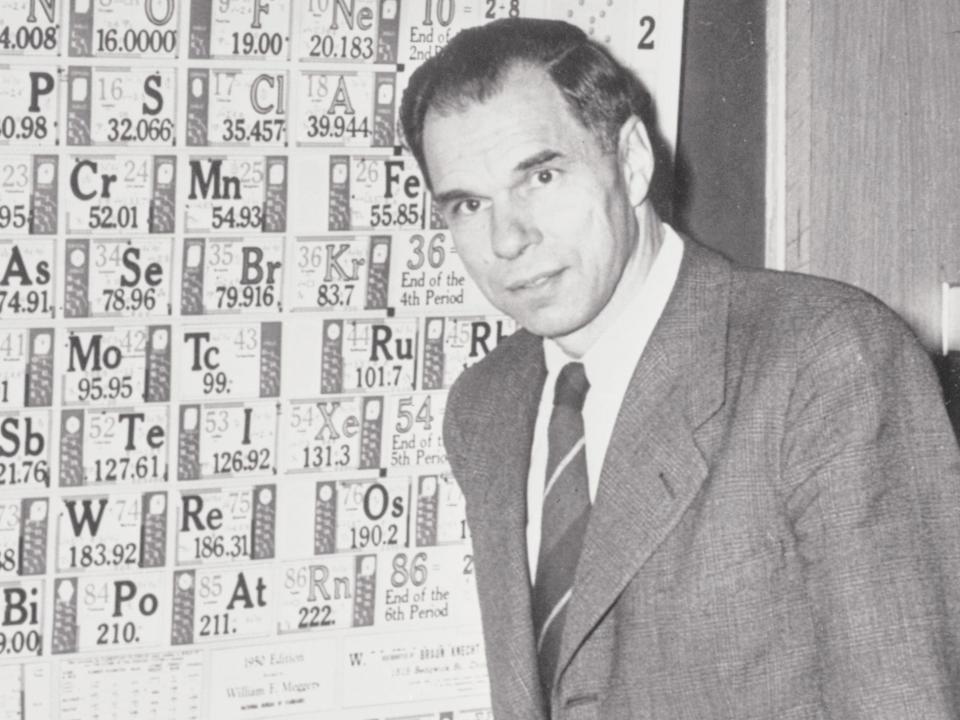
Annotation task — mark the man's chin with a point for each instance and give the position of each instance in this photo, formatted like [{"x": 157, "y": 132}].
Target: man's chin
[
  {"x": 554, "y": 318},
  {"x": 551, "y": 328}
]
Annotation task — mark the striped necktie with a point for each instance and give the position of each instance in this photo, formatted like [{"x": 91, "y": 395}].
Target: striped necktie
[{"x": 566, "y": 509}]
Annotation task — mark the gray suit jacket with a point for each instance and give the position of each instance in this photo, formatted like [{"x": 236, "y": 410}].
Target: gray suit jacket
[{"x": 777, "y": 528}]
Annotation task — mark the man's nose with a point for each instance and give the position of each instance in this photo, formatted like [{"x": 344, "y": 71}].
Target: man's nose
[{"x": 513, "y": 231}]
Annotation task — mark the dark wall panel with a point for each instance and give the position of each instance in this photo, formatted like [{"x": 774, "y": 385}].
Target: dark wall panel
[{"x": 721, "y": 151}]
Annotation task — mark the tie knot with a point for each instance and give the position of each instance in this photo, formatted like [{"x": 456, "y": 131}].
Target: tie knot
[{"x": 572, "y": 386}]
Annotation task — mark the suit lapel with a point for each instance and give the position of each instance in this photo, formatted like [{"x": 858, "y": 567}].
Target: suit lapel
[
  {"x": 498, "y": 519},
  {"x": 654, "y": 467}
]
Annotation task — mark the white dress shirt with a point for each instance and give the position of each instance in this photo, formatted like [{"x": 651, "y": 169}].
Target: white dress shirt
[{"x": 609, "y": 364}]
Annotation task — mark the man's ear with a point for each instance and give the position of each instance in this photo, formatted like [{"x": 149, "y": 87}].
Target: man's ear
[{"x": 635, "y": 155}]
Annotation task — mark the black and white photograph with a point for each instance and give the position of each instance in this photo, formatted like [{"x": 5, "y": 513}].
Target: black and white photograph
[{"x": 479, "y": 360}]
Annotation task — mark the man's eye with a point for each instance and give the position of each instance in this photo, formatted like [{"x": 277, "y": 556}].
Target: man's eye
[
  {"x": 544, "y": 177},
  {"x": 466, "y": 207}
]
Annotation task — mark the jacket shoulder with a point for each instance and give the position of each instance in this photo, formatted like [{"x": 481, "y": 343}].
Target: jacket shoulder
[
  {"x": 811, "y": 309},
  {"x": 478, "y": 396},
  {"x": 474, "y": 387}
]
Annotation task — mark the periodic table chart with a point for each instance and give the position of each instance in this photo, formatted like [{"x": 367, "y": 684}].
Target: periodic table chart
[{"x": 229, "y": 316}]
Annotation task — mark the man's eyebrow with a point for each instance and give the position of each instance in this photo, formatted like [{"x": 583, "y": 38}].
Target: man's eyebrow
[
  {"x": 450, "y": 196},
  {"x": 542, "y": 157}
]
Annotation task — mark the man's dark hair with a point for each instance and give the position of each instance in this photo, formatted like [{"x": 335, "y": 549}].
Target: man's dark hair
[{"x": 600, "y": 92}]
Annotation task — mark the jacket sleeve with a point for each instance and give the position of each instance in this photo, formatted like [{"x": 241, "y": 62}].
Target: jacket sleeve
[
  {"x": 452, "y": 433},
  {"x": 873, "y": 474}
]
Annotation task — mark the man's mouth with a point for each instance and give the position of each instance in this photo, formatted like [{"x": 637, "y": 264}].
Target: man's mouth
[{"x": 536, "y": 281}]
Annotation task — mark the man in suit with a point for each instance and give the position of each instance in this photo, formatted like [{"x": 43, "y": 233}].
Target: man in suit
[{"x": 695, "y": 490}]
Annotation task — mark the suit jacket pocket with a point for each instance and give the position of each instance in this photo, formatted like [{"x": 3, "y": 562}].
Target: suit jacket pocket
[{"x": 581, "y": 707}]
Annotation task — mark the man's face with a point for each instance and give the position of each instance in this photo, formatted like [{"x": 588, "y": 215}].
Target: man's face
[{"x": 539, "y": 212}]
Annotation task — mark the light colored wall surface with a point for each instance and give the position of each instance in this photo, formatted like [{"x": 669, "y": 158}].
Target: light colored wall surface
[{"x": 872, "y": 149}]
